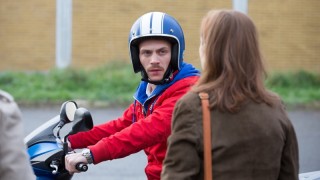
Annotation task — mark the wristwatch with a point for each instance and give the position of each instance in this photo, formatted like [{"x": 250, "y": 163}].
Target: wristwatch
[{"x": 87, "y": 154}]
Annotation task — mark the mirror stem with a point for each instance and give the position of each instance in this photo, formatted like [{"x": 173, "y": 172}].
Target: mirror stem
[
  {"x": 58, "y": 132},
  {"x": 65, "y": 145}
]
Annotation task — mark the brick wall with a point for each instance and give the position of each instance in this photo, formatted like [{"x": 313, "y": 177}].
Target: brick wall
[
  {"x": 288, "y": 31},
  {"x": 27, "y": 34},
  {"x": 101, "y": 30}
]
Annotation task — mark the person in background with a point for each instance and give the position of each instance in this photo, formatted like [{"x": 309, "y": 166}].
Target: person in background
[
  {"x": 251, "y": 135},
  {"x": 156, "y": 44},
  {"x": 14, "y": 161}
]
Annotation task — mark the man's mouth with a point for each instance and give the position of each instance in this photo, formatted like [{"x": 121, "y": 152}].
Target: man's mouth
[{"x": 154, "y": 70}]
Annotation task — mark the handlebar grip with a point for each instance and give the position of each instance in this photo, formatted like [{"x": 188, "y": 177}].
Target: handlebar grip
[{"x": 82, "y": 167}]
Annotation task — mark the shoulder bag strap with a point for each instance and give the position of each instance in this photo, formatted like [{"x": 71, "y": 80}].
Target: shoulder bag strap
[{"x": 206, "y": 135}]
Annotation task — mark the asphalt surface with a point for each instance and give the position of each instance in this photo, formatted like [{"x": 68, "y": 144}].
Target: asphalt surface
[{"x": 306, "y": 123}]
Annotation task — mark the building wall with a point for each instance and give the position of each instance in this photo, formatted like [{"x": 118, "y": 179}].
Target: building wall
[
  {"x": 288, "y": 31},
  {"x": 27, "y": 35}
]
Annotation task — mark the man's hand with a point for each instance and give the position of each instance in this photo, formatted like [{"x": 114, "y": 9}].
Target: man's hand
[{"x": 71, "y": 160}]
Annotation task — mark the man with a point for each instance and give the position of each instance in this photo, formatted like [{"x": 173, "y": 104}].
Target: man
[
  {"x": 156, "y": 44},
  {"x": 14, "y": 161}
]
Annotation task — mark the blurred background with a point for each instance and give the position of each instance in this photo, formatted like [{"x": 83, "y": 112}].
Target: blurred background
[
  {"x": 55, "y": 50},
  {"x": 40, "y": 38},
  {"x": 99, "y": 30}
]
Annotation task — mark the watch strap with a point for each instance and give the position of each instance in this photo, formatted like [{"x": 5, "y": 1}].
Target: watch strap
[{"x": 87, "y": 154}]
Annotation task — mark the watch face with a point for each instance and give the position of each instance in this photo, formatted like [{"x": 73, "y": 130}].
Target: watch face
[
  {"x": 87, "y": 154},
  {"x": 86, "y": 151}
]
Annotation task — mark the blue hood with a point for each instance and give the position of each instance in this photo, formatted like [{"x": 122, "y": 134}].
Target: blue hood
[{"x": 186, "y": 71}]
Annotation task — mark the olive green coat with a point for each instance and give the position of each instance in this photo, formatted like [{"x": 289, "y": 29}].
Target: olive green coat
[{"x": 257, "y": 143}]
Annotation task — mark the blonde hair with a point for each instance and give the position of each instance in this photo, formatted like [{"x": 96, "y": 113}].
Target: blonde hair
[{"x": 233, "y": 65}]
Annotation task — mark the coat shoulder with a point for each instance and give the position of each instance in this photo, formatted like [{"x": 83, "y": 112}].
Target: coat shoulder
[
  {"x": 5, "y": 97},
  {"x": 191, "y": 99},
  {"x": 190, "y": 96}
]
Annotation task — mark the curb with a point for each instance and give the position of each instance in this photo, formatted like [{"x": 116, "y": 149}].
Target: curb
[{"x": 80, "y": 103}]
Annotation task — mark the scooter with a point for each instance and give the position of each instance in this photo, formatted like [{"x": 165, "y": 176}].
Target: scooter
[{"x": 47, "y": 149}]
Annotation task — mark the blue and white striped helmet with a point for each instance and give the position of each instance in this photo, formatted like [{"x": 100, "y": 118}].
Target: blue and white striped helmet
[{"x": 157, "y": 25}]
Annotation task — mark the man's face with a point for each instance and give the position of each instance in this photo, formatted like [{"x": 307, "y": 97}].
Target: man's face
[{"x": 155, "y": 57}]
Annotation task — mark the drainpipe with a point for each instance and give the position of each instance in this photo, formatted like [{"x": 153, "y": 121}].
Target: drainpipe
[
  {"x": 63, "y": 33},
  {"x": 240, "y": 5}
]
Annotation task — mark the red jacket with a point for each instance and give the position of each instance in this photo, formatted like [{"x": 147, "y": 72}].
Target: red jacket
[{"x": 122, "y": 137}]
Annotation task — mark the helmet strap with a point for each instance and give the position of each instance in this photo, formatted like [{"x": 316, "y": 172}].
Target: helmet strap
[{"x": 166, "y": 77}]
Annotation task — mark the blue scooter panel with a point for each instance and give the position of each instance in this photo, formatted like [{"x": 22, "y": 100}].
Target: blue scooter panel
[
  {"x": 42, "y": 148},
  {"x": 39, "y": 153}
]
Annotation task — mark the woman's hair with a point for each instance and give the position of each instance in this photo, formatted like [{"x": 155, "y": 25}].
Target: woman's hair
[{"x": 233, "y": 69}]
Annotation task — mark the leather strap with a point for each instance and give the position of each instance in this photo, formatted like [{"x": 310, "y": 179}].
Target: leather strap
[{"x": 206, "y": 135}]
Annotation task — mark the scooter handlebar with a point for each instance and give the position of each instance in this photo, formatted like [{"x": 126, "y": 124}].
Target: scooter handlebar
[{"x": 82, "y": 167}]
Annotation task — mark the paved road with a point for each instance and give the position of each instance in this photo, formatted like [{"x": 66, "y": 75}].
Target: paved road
[{"x": 306, "y": 123}]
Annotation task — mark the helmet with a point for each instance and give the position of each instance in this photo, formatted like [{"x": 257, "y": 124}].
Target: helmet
[{"x": 157, "y": 25}]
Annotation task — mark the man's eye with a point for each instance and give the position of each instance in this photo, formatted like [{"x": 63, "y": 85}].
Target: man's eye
[
  {"x": 145, "y": 53},
  {"x": 163, "y": 51}
]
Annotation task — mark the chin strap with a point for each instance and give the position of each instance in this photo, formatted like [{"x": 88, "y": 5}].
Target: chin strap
[{"x": 166, "y": 77}]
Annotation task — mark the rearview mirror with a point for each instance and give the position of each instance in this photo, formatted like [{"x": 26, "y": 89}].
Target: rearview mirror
[
  {"x": 67, "y": 112},
  {"x": 82, "y": 121}
]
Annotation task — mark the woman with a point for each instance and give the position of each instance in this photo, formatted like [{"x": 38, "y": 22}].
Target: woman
[{"x": 252, "y": 136}]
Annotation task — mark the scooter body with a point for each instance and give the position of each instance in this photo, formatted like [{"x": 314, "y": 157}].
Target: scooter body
[
  {"x": 47, "y": 149},
  {"x": 46, "y": 152}
]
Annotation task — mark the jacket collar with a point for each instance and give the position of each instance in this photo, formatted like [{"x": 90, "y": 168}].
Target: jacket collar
[{"x": 186, "y": 71}]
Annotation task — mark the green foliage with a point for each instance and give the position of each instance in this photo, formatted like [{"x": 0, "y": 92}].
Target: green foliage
[
  {"x": 113, "y": 83},
  {"x": 295, "y": 80},
  {"x": 296, "y": 88}
]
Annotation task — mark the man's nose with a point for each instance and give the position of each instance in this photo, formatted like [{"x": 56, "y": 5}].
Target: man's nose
[{"x": 155, "y": 59}]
